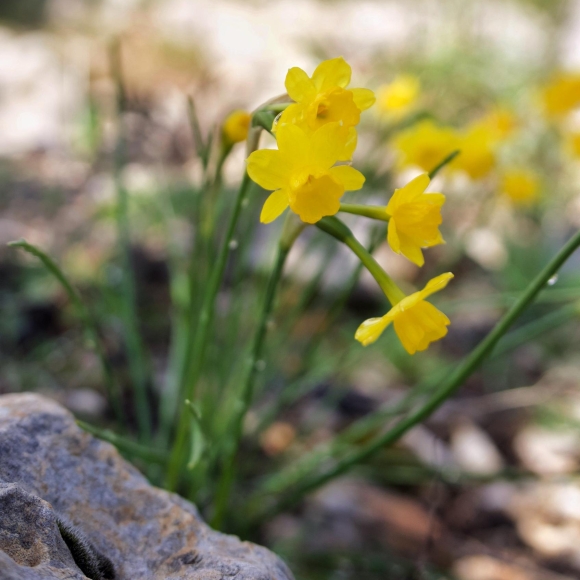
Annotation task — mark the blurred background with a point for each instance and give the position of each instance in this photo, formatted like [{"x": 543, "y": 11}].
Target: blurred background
[{"x": 488, "y": 488}]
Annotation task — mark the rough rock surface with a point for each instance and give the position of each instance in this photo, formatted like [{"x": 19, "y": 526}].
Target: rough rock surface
[{"x": 51, "y": 470}]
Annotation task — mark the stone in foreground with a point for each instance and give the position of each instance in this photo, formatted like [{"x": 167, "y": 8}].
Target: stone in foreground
[{"x": 56, "y": 481}]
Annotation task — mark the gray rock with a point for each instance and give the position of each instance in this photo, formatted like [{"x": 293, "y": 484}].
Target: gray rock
[{"x": 54, "y": 474}]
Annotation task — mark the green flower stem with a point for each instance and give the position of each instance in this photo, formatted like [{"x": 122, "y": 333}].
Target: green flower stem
[
  {"x": 380, "y": 212},
  {"x": 443, "y": 163},
  {"x": 453, "y": 382},
  {"x": 195, "y": 361},
  {"x": 89, "y": 323},
  {"x": 264, "y": 119},
  {"x": 363, "y": 428},
  {"x": 278, "y": 107},
  {"x": 370, "y": 211},
  {"x": 337, "y": 229},
  {"x": 292, "y": 229}
]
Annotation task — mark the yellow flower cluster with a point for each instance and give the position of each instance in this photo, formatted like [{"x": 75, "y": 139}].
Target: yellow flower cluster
[
  {"x": 426, "y": 144},
  {"x": 314, "y": 135},
  {"x": 561, "y": 95}
]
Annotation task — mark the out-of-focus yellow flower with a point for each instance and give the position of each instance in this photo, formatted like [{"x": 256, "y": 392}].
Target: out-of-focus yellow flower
[
  {"x": 520, "y": 185},
  {"x": 417, "y": 322},
  {"x": 500, "y": 122},
  {"x": 302, "y": 174},
  {"x": 562, "y": 94},
  {"x": 415, "y": 217},
  {"x": 477, "y": 147},
  {"x": 425, "y": 144},
  {"x": 324, "y": 98},
  {"x": 236, "y": 127},
  {"x": 398, "y": 97},
  {"x": 573, "y": 143}
]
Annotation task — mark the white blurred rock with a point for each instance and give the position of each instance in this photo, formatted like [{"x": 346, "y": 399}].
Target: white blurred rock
[
  {"x": 548, "y": 452},
  {"x": 474, "y": 450},
  {"x": 487, "y": 248}
]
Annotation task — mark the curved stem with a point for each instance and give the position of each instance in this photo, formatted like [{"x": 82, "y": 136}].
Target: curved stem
[
  {"x": 453, "y": 382},
  {"x": 87, "y": 319},
  {"x": 443, "y": 163},
  {"x": 337, "y": 229}
]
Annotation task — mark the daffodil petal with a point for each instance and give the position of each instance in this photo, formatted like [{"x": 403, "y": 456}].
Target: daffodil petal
[
  {"x": 268, "y": 168},
  {"x": 393, "y": 237},
  {"x": 408, "y": 193},
  {"x": 299, "y": 85},
  {"x": 363, "y": 98},
  {"x": 328, "y": 144},
  {"x": 334, "y": 72},
  {"x": 370, "y": 330},
  {"x": 411, "y": 250},
  {"x": 292, "y": 115},
  {"x": 350, "y": 178},
  {"x": 436, "y": 284},
  {"x": 350, "y": 146},
  {"x": 274, "y": 206},
  {"x": 294, "y": 144}
]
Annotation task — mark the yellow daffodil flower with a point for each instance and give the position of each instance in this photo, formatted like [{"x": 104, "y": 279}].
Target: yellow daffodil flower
[
  {"x": 302, "y": 174},
  {"x": 477, "y": 145},
  {"x": 573, "y": 144},
  {"x": 324, "y": 98},
  {"x": 500, "y": 122},
  {"x": 236, "y": 127},
  {"x": 414, "y": 218},
  {"x": 425, "y": 145},
  {"x": 520, "y": 185},
  {"x": 398, "y": 97},
  {"x": 561, "y": 95},
  {"x": 417, "y": 322}
]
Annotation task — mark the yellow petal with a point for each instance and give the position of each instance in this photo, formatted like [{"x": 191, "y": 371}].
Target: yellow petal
[
  {"x": 371, "y": 329},
  {"x": 408, "y": 193},
  {"x": 274, "y": 206},
  {"x": 292, "y": 115},
  {"x": 420, "y": 326},
  {"x": 411, "y": 250},
  {"x": 318, "y": 197},
  {"x": 393, "y": 237},
  {"x": 268, "y": 169},
  {"x": 294, "y": 144},
  {"x": 350, "y": 178},
  {"x": 363, "y": 98},
  {"x": 332, "y": 73},
  {"x": 409, "y": 333},
  {"x": 436, "y": 284},
  {"x": 352, "y": 139},
  {"x": 328, "y": 145},
  {"x": 299, "y": 85}
]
